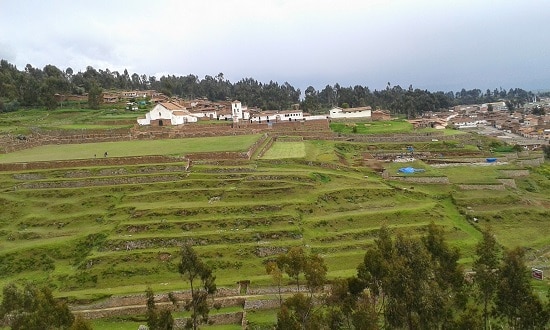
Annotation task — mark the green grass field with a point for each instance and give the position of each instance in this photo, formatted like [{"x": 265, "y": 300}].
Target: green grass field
[
  {"x": 173, "y": 147},
  {"x": 25, "y": 121},
  {"x": 280, "y": 150},
  {"x": 373, "y": 127},
  {"x": 98, "y": 231}
]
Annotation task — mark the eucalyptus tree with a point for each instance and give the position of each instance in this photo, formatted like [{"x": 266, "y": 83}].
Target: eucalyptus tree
[
  {"x": 33, "y": 308},
  {"x": 485, "y": 267},
  {"x": 193, "y": 269},
  {"x": 515, "y": 300}
]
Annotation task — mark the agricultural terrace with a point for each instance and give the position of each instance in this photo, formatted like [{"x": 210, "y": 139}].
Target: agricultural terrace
[
  {"x": 280, "y": 150},
  {"x": 109, "y": 230},
  {"x": 372, "y": 127},
  {"x": 27, "y": 121},
  {"x": 171, "y": 147}
]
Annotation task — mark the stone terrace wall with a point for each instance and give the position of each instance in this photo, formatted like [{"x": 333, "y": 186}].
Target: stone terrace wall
[
  {"x": 266, "y": 147},
  {"x": 261, "y": 304},
  {"x": 508, "y": 182},
  {"x": 421, "y": 179},
  {"x": 256, "y": 145},
  {"x": 218, "y": 155},
  {"x": 403, "y": 138},
  {"x": 108, "y": 161},
  {"x": 228, "y": 318},
  {"x": 531, "y": 162},
  {"x": 514, "y": 173},
  {"x": 482, "y": 186}
]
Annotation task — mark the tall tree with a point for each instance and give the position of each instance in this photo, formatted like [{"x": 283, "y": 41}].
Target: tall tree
[
  {"x": 515, "y": 299},
  {"x": 315, "y": 272},
  {"x": 276, "y": 273},
  {"x": 485, "y": 267},
  {"x": 300, "y": 309},
  {"x": 192, "y": 268},
  {"x": 447, "y": 287},
  {"x": 414, "y": 282},
  {"x": 293, "y": 263},
  {"x": 298, "y": 313},
  {"x": 409, "y": 295},
  {"x": 157, "y": 319},
  {"x": 374, "y": 271},
  {"x": 94, "y": 95},
  {"x": 33, "y": 308}
]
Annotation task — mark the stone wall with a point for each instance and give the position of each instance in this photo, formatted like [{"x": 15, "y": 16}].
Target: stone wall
[
  {"x": 104, "y": 161},
  {"x": 226, "y": 318},
  {"x": 422, "y": 179},
  {"x": 482, "y": 186},
  {"x": 400, "y": 138},
  {"x": 136, "y": 304},
  {"x": 97, "y": 182},
  {"x": 530, "y": 162},
  {"x": 514, "y": 173},
  {"x": 256, "y": 145},
  {"x": 258, "y": 304},
  {"x": 508, "y": 182},
  {"x": 266, "y": 147},
  {"x": 218, "y": 155}
]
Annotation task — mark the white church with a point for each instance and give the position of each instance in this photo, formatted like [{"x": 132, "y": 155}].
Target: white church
[{"x": 238, "y": 112}]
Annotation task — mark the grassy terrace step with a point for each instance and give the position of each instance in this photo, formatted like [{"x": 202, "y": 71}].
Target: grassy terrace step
[
  {"x": 229, "y": 221},
  {"x": 200, "y": 238},
  {"x": 114, "y": 238}
]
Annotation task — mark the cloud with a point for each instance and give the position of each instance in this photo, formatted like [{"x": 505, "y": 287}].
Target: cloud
[{"x": 430, "y": 44}]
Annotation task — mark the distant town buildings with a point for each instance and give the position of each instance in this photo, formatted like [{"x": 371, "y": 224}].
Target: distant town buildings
[
  {"x": 521, "y": 122},
  {"x": 179, "y": 112},
  {"x": 175, "y": 111}
]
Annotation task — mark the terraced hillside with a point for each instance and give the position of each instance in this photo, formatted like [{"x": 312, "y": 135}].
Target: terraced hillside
[{"x": 106, "y": 230}]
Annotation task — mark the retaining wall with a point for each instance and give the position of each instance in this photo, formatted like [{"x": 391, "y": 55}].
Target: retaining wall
[
  {"x": 531, "y": 162},
  {"x": 422, "y": 179},
  {"x": 482, "y": 186},
  {"x": 508, "y": 182},
  {"x": 514, "y": 173},
  {"x": 105, "y": 161},
  {"x": 266, "y": 147}
]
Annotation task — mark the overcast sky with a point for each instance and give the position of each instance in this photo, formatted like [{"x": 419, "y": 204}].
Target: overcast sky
[{"x": 431, "y": 44}]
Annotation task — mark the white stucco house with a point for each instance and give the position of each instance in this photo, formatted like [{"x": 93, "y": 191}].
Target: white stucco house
[
  {"x": 209, "y": 113},
  {"x": 497, "y": 106},
  {"x": 360, "y": 112},
  {"x": 468, "y": 122},
  {"x": 167, "y": 113},
  {"x": 277, "y": 116}
]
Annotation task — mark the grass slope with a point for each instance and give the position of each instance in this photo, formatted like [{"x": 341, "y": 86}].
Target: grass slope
[{"x": 95, "y": 239}]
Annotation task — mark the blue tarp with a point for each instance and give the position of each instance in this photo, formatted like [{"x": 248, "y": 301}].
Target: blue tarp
[
  {"x": 406, "y": 170},
  {"x": 410, "y": 170},
  {"x": 491, "y": 160}
]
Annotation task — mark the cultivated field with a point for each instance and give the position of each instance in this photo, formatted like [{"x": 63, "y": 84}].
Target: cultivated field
[
  {"x": 282, "y": 150},
  {"x": 170, "y": 147},
  {"x": 103, "y": 230}
]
